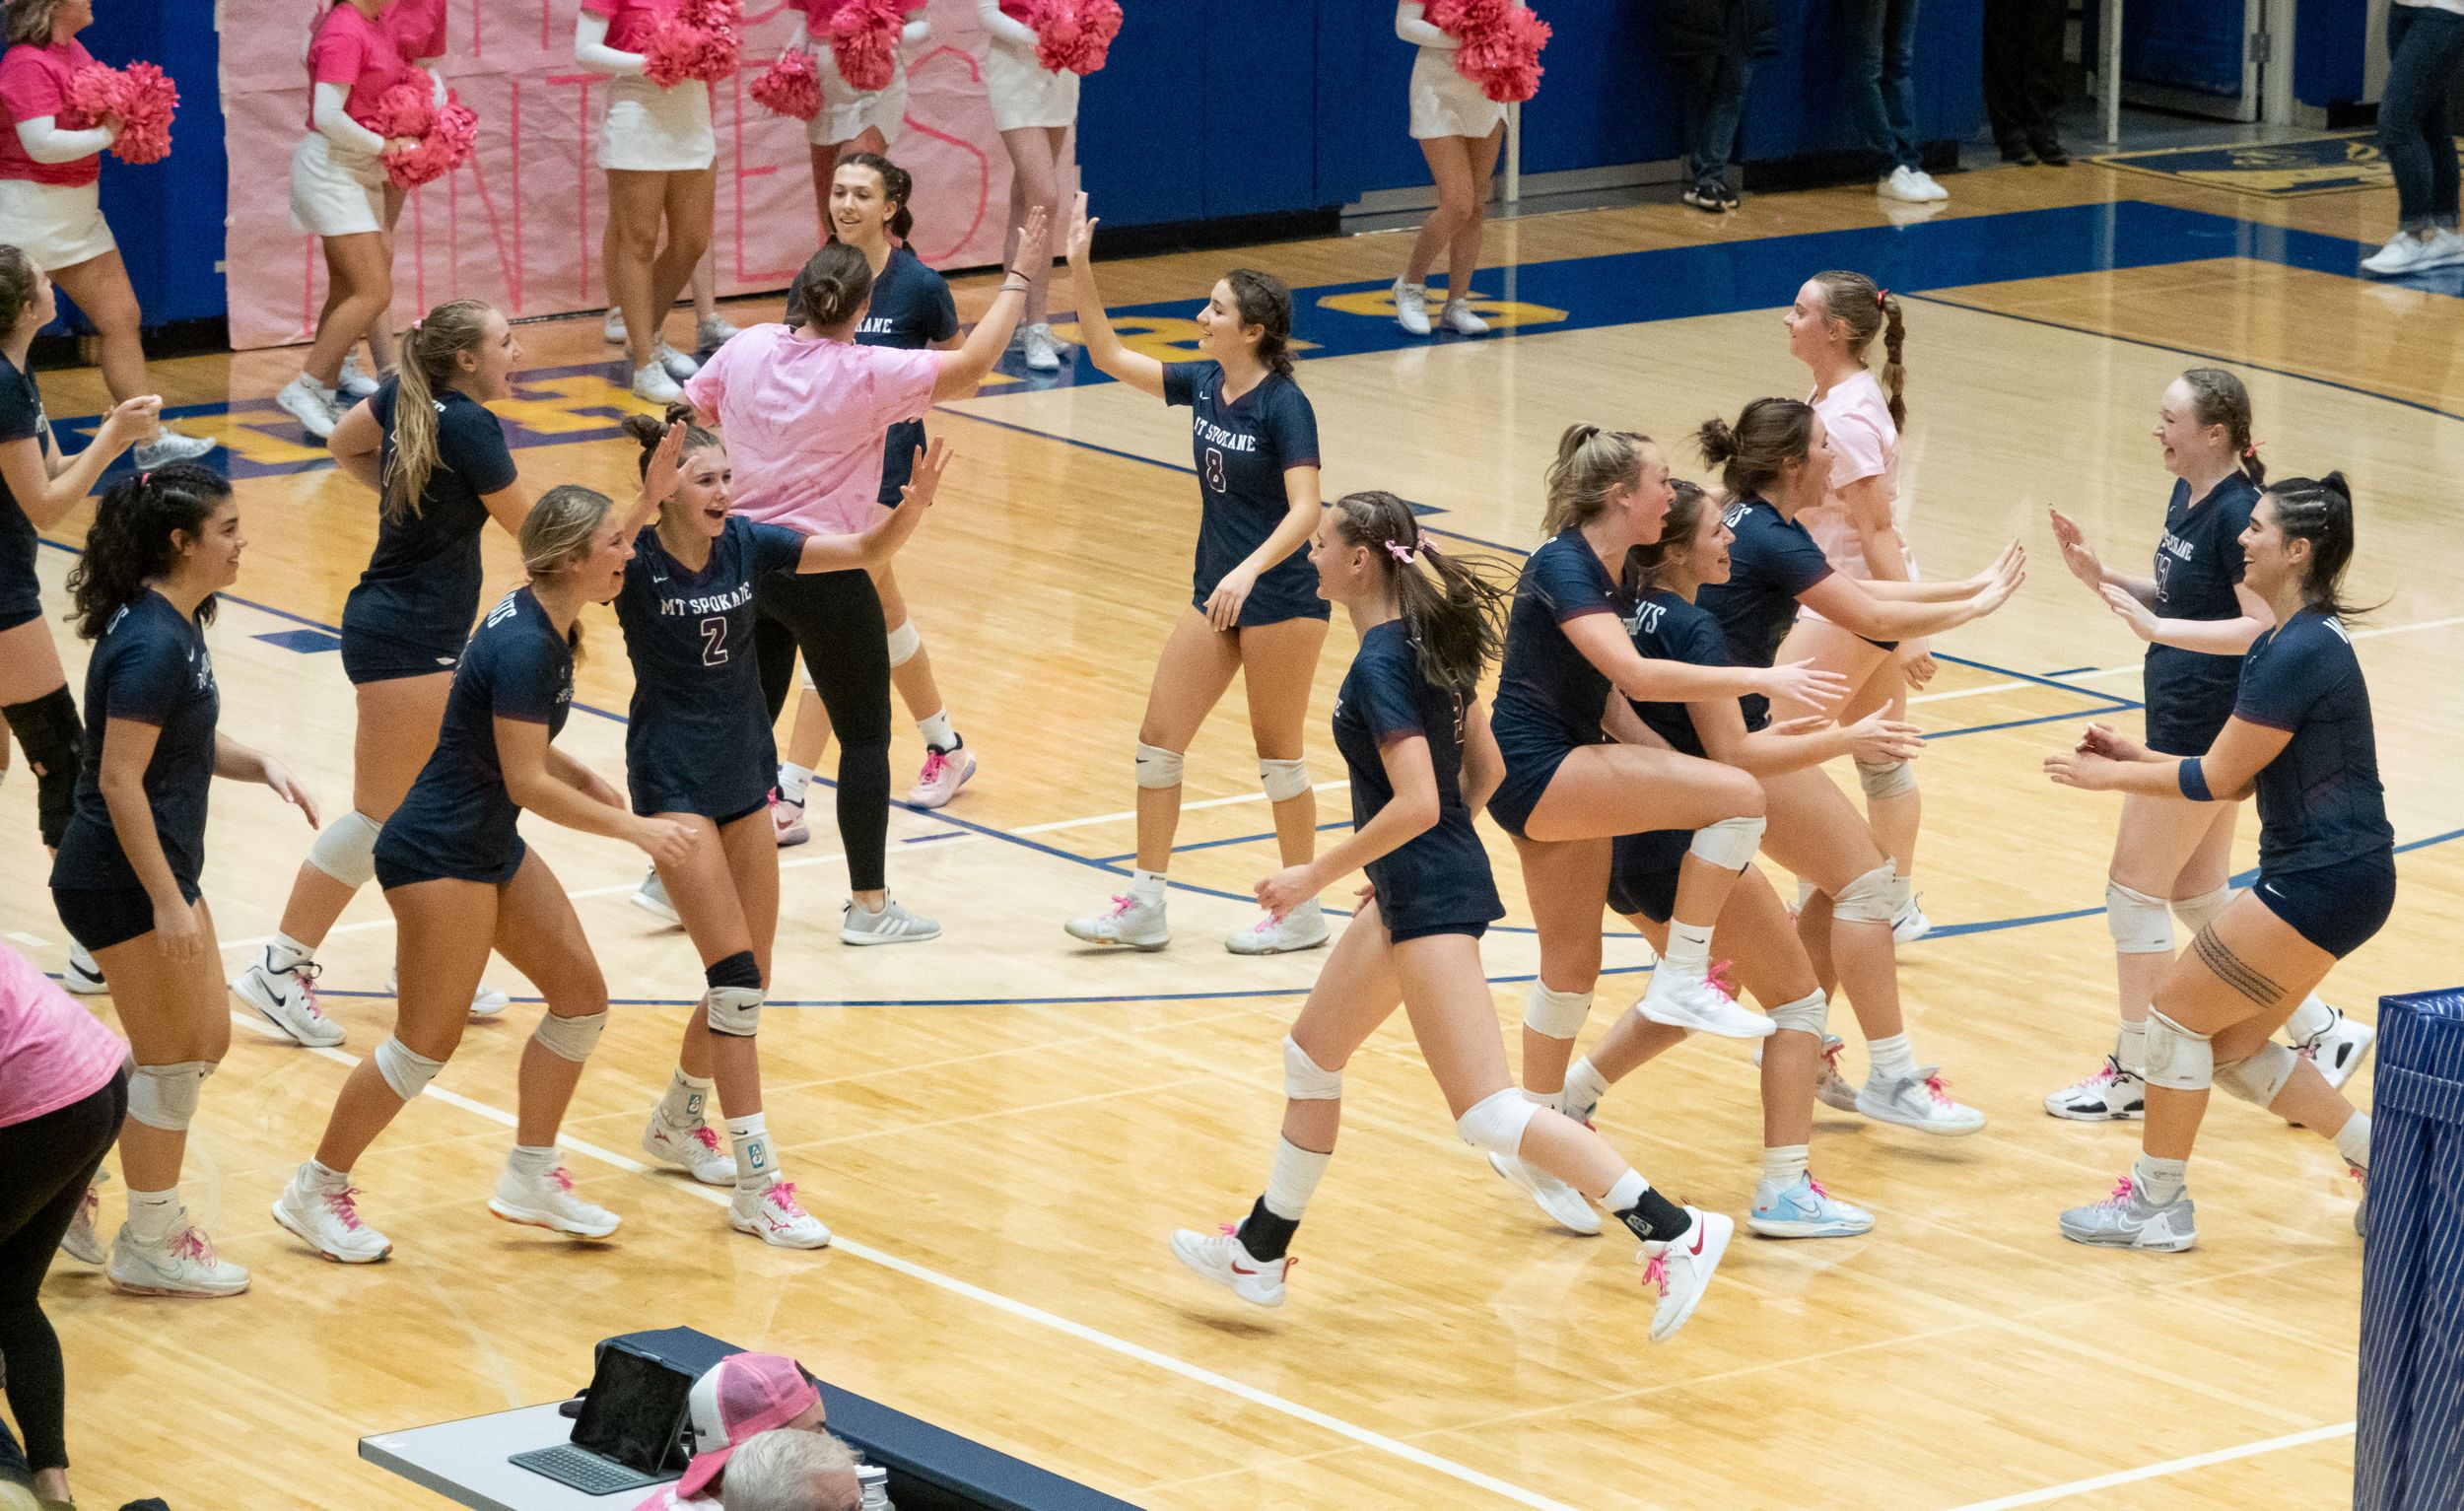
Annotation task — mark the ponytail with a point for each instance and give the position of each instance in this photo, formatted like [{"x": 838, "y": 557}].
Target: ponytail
[
  {"x": 650, "y": 433},
  {"x": 2217, "y": 397},
  {"x": 557, "y": 532},
  {"x": 1752, "y": 453},
  {"x": 429, "y": 349},
  {"x": 132, "y": 540},
  {"x": 834, "y": 286},
  {"x": 1452, "y": 607},
  {"x": 2319, "y": 512},
  {"x": 898, "y": 187},
  {"x": 1265, "y": 301},
  {"x": 1591, "y": 465},
  {"x": 1868, "y": 309}
]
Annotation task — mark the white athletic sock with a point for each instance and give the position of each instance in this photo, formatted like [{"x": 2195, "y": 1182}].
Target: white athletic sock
[
  {"x": 2160, "y": 1181},
  {"x": 1902, "y": 893},
  {"x": 1627, "y": 1191},
  {"x": 1146, "y": 888},
  {"x": 532, "y": 1163},
  {"x": 1585, "y": 1086},
  {"x": 286, "y": 952},
  {"x": 326, "y": 1178},
  {"x": 1784, "y": 1165},
  {"x": 1293, "y": 1178},
  {"x": 686, "y": 1096},
  {"x": 154, "y": 1215},
  {"x": 749, "y": 1136},
  {"x": 1690, "y": 949},
  {"x": 2309, "y": 1020},
  {"x": 793, "y": 779},
  {"x": 937, "y": 731},
  {"x": 1891, "y": 1059},
  {"x": 2352, "y": 1141},
  {"x": 2130, "y": 1047}
]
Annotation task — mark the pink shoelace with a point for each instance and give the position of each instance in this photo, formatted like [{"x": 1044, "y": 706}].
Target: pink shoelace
[
  {"x": 1717, "y": 978},
  {"x": 343, "y": 1205},
  {"x": 1816, "y": 1187},
  {"x": 1831, "y": 1055},
  {"x": 1121, "y": 906},
  {"x": 782, "y": 1195},
  {"x": 192, "y": 1245},
  {"x": 703, "y": 1135},
  {"x": 563, "y": 1178},
  {"x": 1940, "y": 1092},
  {"x": 1656, "y": 1272},
  {"x": 936, "y": 763},
  {"x": 306, "y": 974},
  {"x": 2121, "y": 1193},
  {"x": 1232, "y": 1230}
]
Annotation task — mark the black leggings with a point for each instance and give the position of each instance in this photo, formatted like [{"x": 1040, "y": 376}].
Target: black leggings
[
  {"x": 835, "y": 619},
  {"x": 49, "y": 1161}
]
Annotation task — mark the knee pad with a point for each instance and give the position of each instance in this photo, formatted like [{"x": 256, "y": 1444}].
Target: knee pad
[
  {"x": 166, "y": 1096},
  {"x": 1869, "y": 899},
  {"x": 1728, "y": 843},
  {"x": 404, "y": 1068},
  {"x": 1496, "y": 1123},
  {"x": 1806, "y": 1016},
  {"x": 54, "y": 743},
  {"x": 2178, "y": 1058},
  {"x": 2141, "y": 925},
  {"x": 735, "y": 1011},
  {"x": 570, "y": 1038},
  {"x": 1306, "y": 1080},
  {"x": 347, "y": 850},
  {"x": 2258, "y": 1079},
  {"x": 1554, "y": 1014},
  {"x": 905, "y": 642},
  {"x": 1283, "y": 779},
  {"x": 1891, "y": 779},
  {"x": 2197, "y": 911},
  {"x": 1157, "y": 767}
]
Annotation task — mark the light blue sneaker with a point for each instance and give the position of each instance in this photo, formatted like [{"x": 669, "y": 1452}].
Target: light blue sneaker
[{"x": 1805, "y": 1210}]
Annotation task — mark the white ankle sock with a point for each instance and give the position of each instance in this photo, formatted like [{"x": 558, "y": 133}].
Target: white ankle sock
[
  {"x": 793, "y": 779},
  {"x": 2160, "y": 1181},
  {"x": 284, "y": 952},
  {"x": 1585, "y": 1086},
  {"x": 1627, "y": 1191},
  {"x": 323, "y": 1177},
  {"x": 532, "y": 1163},
  {"x": 2352, "y": 1141},
  {"x": 937, "y": 731},
  {"x": 1784, "y": 1165},
  {"x": 686, "y": 1096},
  {"x": 154, "y": 1215},
  {"x": 1891, "y": 1058},
  {"x": 1690, "y": 949},
  {"x": 749, "y": 1136},
  {"x": 1146, "y": 888}
]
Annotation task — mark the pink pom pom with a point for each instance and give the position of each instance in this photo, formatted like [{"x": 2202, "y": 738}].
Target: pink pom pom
[
  {"x": 445, "y": 134},
  {"x": 1074, "y": 35},
  {"x": 1501, "y": 45},
  {"x": 703, "y": 40},
  {"x": 864, "y": 42},
  {"x": 790, "y": 88},
  {"x": 141, "y": 95}
]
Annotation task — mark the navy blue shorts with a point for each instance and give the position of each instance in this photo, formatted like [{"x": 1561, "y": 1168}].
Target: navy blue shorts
[
  {"x": 2178, "y": 732},
  {"x": 1279, "y": 596},
  {"x": 2338, "y": 907},
  {"x": 391, "y": 874},
  {"x": 373, "y": 658},
  {"x": 722, "y": 813},
  {"x": 1529, "y": 771},
  {"x": 1410, "y": 932},
  {"x": 100, "y": 917},
  {"x": 1643, "y": 872}
]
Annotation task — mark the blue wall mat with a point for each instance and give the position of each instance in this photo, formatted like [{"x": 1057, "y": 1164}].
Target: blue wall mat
[
  {"x": 1257, "y": 115},
  {"x": 2191, "y": 44},
  {"x": 1140, "y": 118},
  {"x": 2329, "y": 40}
]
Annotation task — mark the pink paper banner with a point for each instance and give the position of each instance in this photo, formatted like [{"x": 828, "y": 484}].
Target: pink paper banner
[{"x": 519, "y": 224}]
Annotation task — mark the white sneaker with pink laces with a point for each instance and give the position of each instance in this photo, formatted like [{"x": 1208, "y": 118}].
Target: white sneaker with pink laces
[
  {"x": 1699, "y": 1004},
  {"x": 787, "y": 822},
  {"x": 945, "y": 773},
  {"x": 771, "y": 1213},
  {"x": 326, "y": 1219},
  {"x": 1304, "y": 928},
  {"x": 1222, "y": 1258},
  {"x": 550, "y": 1202},
  {"x": 288, "y": 999},
  {"x": 693, "y": 1149},
  {"x": 80, "y": 1242},
  {"x": 1137, "y": 925},
  {"x": 1681, "y": 1270},
  {"x": 1921, "y": 1101},
  {"x": 180, "y": 1264}
]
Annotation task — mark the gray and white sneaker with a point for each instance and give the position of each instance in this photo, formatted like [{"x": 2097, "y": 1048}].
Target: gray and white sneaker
[
  {"x": 613, "y": 328},
  {"x": 1412, "y": 308},
  {"x": 1911, "y": 925},
  {"x": 1304, "y": 928},
  {"x": 81, "y": 974},
  {"x": 714, "y": 330},
  {"x": 1566, "y": 1206},
  {"x": 288, "y": 999},
  {"x": 1699, "y": 1004},
  {"x": 2127, "y": 1219},
  {"x": 2339, "y": 1049},
  {"x": 1044, "y": 349},
  {"x": 2110, "y": 1095},
  {"x": 354, "y": 383},
  {"x": 650, "y": 382},
  {"x": 182, "y": 1264},
  {"x": 326, "y": 1219},
  {"x": 1458, "y": 317},
  {"x": 652, "y": 898},
  {"x": 80, "y": 1242},
  {"x": 317, "y": 407},
  {"x": 170, "y": 445},
  {"x": 893, "y": 925},
  {"x": 550, "y": 1202},
  {"x": 1919, "y": 1101},
  {"x": 1830, "y": 1088},
  {"x": 679, "y": 366},
  {"x": 1137, "y": 925}
]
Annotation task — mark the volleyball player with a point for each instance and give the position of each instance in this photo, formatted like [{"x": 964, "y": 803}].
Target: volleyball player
[
  {"x": 698, "y": 755},
  {"x": 1417, "y": 746},
  {"x": 1461, "y": 131},
  {"x": 1033, "y": 107},
  {"x": 850, "y": 120},
  {"x": 435, "y": 456},
  {"x": 460, "y": 880},
  {"x": 806, "y": 411},
  {"x": 125, "y": 881},
  {"x": 2174, "y": 860},
  {"x": 1254, "y": 609},
  {"x": 2301, "y": 737}
]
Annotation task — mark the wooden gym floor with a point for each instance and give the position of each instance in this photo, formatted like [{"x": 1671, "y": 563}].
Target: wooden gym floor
[{"x": 1002, "y": 1127}]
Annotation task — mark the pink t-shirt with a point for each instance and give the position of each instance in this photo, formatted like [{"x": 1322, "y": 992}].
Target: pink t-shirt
[
  {"x": 349, "y": 48},
  {"x": 53, "y": 1052},
  {"x": 1864, "y": 444},
  {"x": 417, "y": 28},
  {"x": 34, "y": 84},
  {"x": 630, "y": 21},
  {"x": 817, "y": 12},
  {"x": 805, "y": 422}
]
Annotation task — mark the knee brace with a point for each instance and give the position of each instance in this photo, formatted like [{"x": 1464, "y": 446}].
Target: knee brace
[
  {"x": 2178, "y": 1058},
  {"x": 570, "y": 1038},
  {"x": 1283, "y": 779},
  {"x": 1306, "y": 1080},
  {"x": 55, "y": 744},
  {"x": 1157, "y": 767},
  {"x": 1889, "y": 779},
  {"x": 2197, "y": 911},
  {"x": 1554, "y": 1014},
  {"x": 1868, "y": 899},
  {"x": 735, "y": 1011},
  {"x": 1728, "y": 843},
  {"x": 1806, "y": 1016},
  {"x": 2140, "y": 924},
  {"x": 905, "y": 642},
  {"x": 166, "y": 1096},
  {"x": 2258, "y": 1079},
  {"x": 404, "y": 1068},
  {"x": 1496, "y": 1123},
  {"x": 347, "y": 850}
]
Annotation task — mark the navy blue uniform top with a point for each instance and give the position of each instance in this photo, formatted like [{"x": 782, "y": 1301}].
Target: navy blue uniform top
[
  {"x": 2319, "y": 800},
  {"x": 458, "y": 820},
  {"x": 1771, "y": 561},
  {"x": 912, "y": 309},
  {"x": 422, "y": 582},
  {"x": 2188, "y": 692},
  {"x": 699, "y": 740},
  {"x": 1666, "y": 628},
  {"x": 151, "y": 668},
  {"x": 21, "y": 419},
  {"x": 1442, "y": 874},
  {"x": 1549, "y": 698},
  {"x": 1242, "y": 449}
]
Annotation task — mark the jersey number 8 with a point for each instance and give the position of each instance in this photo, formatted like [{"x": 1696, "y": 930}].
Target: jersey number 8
[{"x": 1214, "y": 469}]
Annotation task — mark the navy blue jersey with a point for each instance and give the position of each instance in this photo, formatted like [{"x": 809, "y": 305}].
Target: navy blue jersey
[
  {"x": 458, "y": 820},
  {"x": 422, "y": 582},
  {"x": 2190, "y": 693},
  {"x": 1242, "y": 449},
  {"x": 21, "y": 419},
  {"x": 1441, "y": 876},
  {"x": 1771, "y": 562},
  {"x": 699, "y": 740},
  {"x": 1668, "y": 627},
  {"x": 2319, "y": 799},
  {"x": 912, "y": 309},
  {"x": 1549, "y": 698},
  {"x": 149, "y": 667}
]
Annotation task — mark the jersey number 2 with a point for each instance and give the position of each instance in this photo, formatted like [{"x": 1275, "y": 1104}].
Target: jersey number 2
[
  {"x": 1214, "y": 469},
  {"x": 715, "y": 641}
]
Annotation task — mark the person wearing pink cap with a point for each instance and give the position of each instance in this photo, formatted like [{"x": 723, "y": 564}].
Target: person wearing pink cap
[{"x": 737, "y": 1398}]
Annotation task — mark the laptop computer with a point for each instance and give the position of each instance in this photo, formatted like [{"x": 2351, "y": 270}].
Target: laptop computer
[{"x": 634, "y": 1429}]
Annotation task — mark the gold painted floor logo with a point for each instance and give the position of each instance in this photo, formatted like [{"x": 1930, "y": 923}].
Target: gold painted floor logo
[{"x": 2318, "y": 164}]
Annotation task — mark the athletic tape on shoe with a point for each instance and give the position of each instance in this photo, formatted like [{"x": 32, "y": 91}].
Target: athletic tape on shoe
[
  {"x": 404, "y": 1068},
  {"x": 1868, "y": 899},
  {"x": 1728, "y": 843},
  {"x": 2140, "y": 925},
  {"x": 2196, "y": 913},
  {"x": 1283, "y": 779},
  {"x": 1496, "y": 1121},
  {"x": 1887, "y": 778},
  {"x": 2178, "y": 1058},
  {"x": 346, "y": 850},
  {"x": 1306, "y": 1080},
  {"x": 735, "y": 1011},
  {"x": 1158, "y": 768},
  {"x": 166, "y": 1096},
  {"x": 570, "y": 1038},
  {"x": 2260, "y": 1079},
  {"x": 905, "y": 642},
  {"x": 1556, "y": 1014},
  {"x": 1806, "y": 1016}
]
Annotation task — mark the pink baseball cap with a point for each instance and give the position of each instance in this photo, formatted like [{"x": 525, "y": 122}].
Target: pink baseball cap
[{"x": 741, "y": 1395}]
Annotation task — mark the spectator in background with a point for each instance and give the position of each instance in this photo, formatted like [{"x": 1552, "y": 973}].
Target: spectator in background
[
  {"x": 793, "y": 1472},
  {"x": 1880, "y": 47},
  {"x": 2024, "y": 79},
  {"x": 742, "y": 1397},
  {"x": 2425, "y": 58},
  {"x": 1711, "y": 46}
]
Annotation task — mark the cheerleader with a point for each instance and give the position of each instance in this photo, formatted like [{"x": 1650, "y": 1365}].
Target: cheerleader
[
  {"x": 710, "y": 329},
  {"x": 50, "y": 204},
  {"x": 806, "y": 411},
  {"x": 1460, "y": 130},
  {"x": 1034, "y": 107},
  {"x": 460, "y": 880},
  {"x": 1861, "y": 525},
  {"x": 850, "y": 120},
  {"x": 2198, "y": 616},
  {"x": 125, "y": 882},
  {"x": 418, "y": 29},
  {"x": 437, "y": 461},
  {"x": 1254, "y": 609},
  {"x": 2301, "y": 737},
  {"x": 337, "y": 194},
  {"x": 656, "y": 147},
  {"x": 687, "y": 611},
  {"x": 1423, "y": 761}
]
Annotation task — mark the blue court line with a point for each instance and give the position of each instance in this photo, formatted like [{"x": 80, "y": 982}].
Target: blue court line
[
  {"x": 1238, "y": 839},
  {"x": 2068, "y": 671}
]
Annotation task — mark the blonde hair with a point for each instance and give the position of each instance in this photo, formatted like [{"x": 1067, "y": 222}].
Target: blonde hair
[
  {"x": 429, "y": 349},
  {"x": 558, "y": 529},
  {"x": 1592, "y": 463},
  {"x": 1868, "y": 309}
]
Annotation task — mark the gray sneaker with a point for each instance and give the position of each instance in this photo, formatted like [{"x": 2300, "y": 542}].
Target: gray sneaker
[
  {"x": 170, "y": 445},
  {"x": 1830, "y": 1088},
  {"x": 2127, "y": 1219},
  {"x": 893, "y": 925}
]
